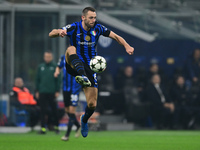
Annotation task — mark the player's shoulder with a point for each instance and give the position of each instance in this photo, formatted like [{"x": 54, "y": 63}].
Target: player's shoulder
[
  {"x": 98, "y": 25},
  {"x": 62, "y": 57},
  {"x": 70, "y": 26}
]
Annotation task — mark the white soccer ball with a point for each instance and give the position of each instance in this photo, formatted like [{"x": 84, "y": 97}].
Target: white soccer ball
[{"x": 98, "y": 64}]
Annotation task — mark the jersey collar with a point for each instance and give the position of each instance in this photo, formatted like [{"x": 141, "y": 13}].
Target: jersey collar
[{"x": 91, "y": 29}]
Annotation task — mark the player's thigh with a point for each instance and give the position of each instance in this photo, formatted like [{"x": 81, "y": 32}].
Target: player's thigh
[
  {"x": 67, "y": 98},
  {"x": 91, "y": 94},
  {"x": 67, "y": 109}
]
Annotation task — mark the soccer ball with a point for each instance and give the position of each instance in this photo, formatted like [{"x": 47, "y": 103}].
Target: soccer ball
[{"x": 98, "y": 64}]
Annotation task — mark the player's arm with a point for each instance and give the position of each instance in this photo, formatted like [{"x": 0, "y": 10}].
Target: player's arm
[
  {"x": 57, "y": 72},
  {"x": 57, "y": 33},
  {"x": 121, "y": 41}
]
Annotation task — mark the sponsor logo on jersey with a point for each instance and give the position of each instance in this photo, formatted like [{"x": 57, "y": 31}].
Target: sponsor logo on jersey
[{"x": 87, "y": 43}]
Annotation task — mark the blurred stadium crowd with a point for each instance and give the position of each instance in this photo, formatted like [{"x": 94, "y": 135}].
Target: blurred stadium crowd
[{"x": 170, "y": 102}]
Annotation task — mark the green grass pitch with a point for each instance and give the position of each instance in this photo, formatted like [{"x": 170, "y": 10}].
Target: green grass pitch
[{"x": 104, "y": 140}]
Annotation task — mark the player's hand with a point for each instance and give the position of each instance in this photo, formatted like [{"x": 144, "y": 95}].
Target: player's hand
[
  {"x": 37, "y": 95},
  {"x": 62, "y": 33},
  {"x": 130, "y": 50},
  {"x": 56, "y": 94},
  {"x": 56, "y": 73}
]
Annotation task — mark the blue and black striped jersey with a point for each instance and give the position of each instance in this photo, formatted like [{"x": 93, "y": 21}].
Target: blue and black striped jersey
[
  {"x": 69, "y": 82},
  {"x": 85, "y": 41}
]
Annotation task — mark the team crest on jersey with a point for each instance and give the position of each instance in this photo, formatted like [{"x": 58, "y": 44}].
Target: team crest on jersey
[
  {"x": 93, "y": 33},
  {"x": 87, "y": 38}
]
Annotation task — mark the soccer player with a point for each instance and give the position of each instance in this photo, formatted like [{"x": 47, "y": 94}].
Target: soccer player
[
  {"x": 84, "y": 36},
  {"x": 71, "y": 91}
]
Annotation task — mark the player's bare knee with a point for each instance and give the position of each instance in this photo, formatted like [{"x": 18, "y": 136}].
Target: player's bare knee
[
  {"x": 71, "y": 50},
  {"x": 66, "y": 110},
  {"x": 66, "y": 54},
  {"x": 92, "y": 105}
]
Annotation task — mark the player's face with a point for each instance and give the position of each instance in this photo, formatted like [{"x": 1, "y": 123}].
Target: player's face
[
  {"x": 48, "y": 57},
  {"x": 89, "y": 19}
]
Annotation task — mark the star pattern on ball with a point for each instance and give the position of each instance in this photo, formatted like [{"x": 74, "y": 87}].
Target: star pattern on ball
[
  {"x": 101, "y": 69},
  {"x": 100, "y": 61},
  {"x": 93, "y": 66}
]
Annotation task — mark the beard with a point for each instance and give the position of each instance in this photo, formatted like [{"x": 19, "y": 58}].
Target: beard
[{"x": 88, "y": 25}]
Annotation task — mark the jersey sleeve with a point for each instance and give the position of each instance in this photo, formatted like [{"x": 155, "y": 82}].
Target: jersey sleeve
[
  {"x": 104, "y": 31},
  {"x": 70, "y": 28},
  {"x": 61, "y": 61}
]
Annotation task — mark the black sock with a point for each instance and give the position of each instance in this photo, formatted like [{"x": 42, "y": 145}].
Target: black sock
[
  {"x": 70, "y": 124},
  {"x": 88, "y": 114},
  {"x": 76, "y": 123},
  {"x": 77, "y": 64}
]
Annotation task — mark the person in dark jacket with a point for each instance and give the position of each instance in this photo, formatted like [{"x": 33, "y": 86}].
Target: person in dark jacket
[
  {"x": 182, "y": 97},
  {"x": 156, "y": 69},
  {"x": 193, "y": 66},
  {"x": 161, "y": 106},
  {"x": 47, "y": 90}
]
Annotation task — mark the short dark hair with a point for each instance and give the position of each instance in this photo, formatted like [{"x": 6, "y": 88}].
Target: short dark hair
[
  {"x": 48, "y": 51},
  {"x": 86, "y": 9}
]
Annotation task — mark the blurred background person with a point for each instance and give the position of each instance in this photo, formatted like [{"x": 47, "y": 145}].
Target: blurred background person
[
  {"x": 142, "y": 80},
  {"x": 127, "y": 78},
  {"x": 156, "y": 69},
  {"x": 128, "y": 84},
  {"x": 106, "y": 91},
  {"x": 71, "y": 90},
  {"x": 22, "y": 100},
  {"x": 182, "y": 99},
  {"x": 105, "y": 81},
  {"x": 47, "y": 90},
  {"x": 131, "y": 101},
  {"x": 193, "y": 66},
  {"x": 161, "y": 106}
]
